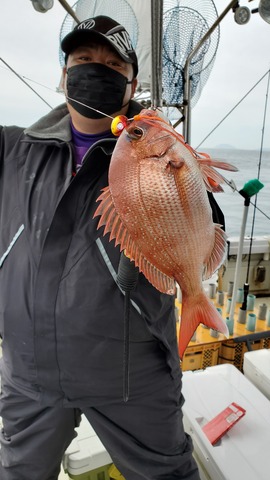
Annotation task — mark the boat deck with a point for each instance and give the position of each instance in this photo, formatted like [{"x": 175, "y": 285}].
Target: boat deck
[{"x": 209, "y": 347}]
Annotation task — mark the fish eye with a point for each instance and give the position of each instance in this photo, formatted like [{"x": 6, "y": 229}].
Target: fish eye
[{"x": 136, "y": 133}]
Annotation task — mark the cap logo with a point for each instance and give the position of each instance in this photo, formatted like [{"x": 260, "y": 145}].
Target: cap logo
[
  {"x": 86, "y": 25},
  {"x": 122, "y": 42}
]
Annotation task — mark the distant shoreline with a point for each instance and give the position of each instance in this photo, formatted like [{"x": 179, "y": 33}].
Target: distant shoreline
[{"x": 232, "y": 147}]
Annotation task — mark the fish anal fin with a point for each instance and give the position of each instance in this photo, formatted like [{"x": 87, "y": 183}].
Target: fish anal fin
[
  {"x": 218, "y": 253},
  {"x": 195, "y": 310},
  {"x": 158, "y": 279}
]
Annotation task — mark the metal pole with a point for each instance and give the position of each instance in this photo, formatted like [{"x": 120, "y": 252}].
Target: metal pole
[
  {"x": 187, "y": 80},
  {"x": 239, "y": 259},
  {"x": 156, "y": 46},
  {"x": 69, "y": 10}
]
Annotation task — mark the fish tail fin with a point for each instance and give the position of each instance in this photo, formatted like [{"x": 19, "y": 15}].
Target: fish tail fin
[{"x": 196, "y": 310}]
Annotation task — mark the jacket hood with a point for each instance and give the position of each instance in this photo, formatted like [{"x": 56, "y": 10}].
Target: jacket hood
[{"x": 56, "y": 124}]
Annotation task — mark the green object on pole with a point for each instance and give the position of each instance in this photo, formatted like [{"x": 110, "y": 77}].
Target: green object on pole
[{"x": 252, "y": 187}]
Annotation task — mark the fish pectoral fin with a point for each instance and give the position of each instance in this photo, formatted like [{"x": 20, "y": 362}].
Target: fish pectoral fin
[
  {"x": 205, "y": 160},
  {"x": 175, "y": 160},
  {"x": 118, "y": 231},
  {"x": 218, "y": 253},
  {"x": 211, "y": 177}
]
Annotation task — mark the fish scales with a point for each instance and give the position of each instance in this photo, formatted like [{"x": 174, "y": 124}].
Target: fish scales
[
  {"x": 156, "y": 207},
  {"x": 159, "y": 209}
]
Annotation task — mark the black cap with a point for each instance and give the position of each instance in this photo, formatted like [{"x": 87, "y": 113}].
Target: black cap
[{"x": 107, "y": 29}]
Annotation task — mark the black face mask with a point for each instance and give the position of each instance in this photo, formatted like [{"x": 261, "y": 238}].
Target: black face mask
[{"x": 97, "y": 86}]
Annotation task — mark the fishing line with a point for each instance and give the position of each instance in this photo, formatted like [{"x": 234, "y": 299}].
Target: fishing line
[
  {"x": 240, "y": 101},
  {"x": 230, "y": 183},
  {"x": 33, "y": 90},
  {"x": 40, "y": 84},
  {"x": 27, "y": 84},
  {"x": 91, "y": 108},
  {"x": 37, "y": 83}
]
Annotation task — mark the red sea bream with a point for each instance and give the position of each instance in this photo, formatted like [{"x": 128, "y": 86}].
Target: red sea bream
[{"x": 156, "y": 208}]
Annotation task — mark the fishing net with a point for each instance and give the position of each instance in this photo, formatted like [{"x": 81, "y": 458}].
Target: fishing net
[
  {"x": 184, "y": 25},
  {"x": 185, "y": 22}
]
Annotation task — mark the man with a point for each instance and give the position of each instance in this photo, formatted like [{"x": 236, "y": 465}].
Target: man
[{"x": 61, "y": 309}]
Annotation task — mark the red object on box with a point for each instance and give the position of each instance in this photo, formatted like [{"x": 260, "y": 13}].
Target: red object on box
[{"x": 223, "y": 422}]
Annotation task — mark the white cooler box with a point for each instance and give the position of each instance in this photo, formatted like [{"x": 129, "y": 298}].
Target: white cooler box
[
  {"x": 257, "y": 369},
  {"x": 243, "y": 452},
  {"x": 86, "y": 457}
]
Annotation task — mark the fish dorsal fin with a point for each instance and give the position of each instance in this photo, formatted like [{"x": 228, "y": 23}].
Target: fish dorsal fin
[
  {"x": 218, "y": 253},
  {"x": 118, "y": 231}
]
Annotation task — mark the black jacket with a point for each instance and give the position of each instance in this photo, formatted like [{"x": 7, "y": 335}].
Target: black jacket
[{"x": 61, "y": 310}]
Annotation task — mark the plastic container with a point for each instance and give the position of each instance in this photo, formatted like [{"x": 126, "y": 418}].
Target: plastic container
[
  {"x": 243, "y": 452},
  {"x": 256, "y": 368},
  {"x": 86, "y": 457},
  {"x": 233, "y": 353}
]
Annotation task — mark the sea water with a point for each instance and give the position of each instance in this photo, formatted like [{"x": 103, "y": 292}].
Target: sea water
[{"x": 250, "y": 163}]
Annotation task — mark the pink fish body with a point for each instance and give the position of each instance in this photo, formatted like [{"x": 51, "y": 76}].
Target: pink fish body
[{"x": 156, "y": 207}]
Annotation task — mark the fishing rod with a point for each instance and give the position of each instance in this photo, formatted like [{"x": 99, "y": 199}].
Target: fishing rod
[
  {"x": 250, "y": 188},
  {"x": 236, "y": 105},
  {"x": 127, "y": 279},
  {"x": 24, "y": 81},
  {"x": 246, "y": 285},
  {"x": 42, "y": 6},
  {"x": 127, "y": 271}
]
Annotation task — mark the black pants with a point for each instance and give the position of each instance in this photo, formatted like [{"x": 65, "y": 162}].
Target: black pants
[{"x": 144, "y": 436}]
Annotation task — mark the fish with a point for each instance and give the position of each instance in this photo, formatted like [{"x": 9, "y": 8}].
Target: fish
[{"x": 157, "y": 209}]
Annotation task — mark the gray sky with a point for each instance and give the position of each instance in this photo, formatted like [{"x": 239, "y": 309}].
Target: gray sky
[{"x": 29, "y": 44}]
